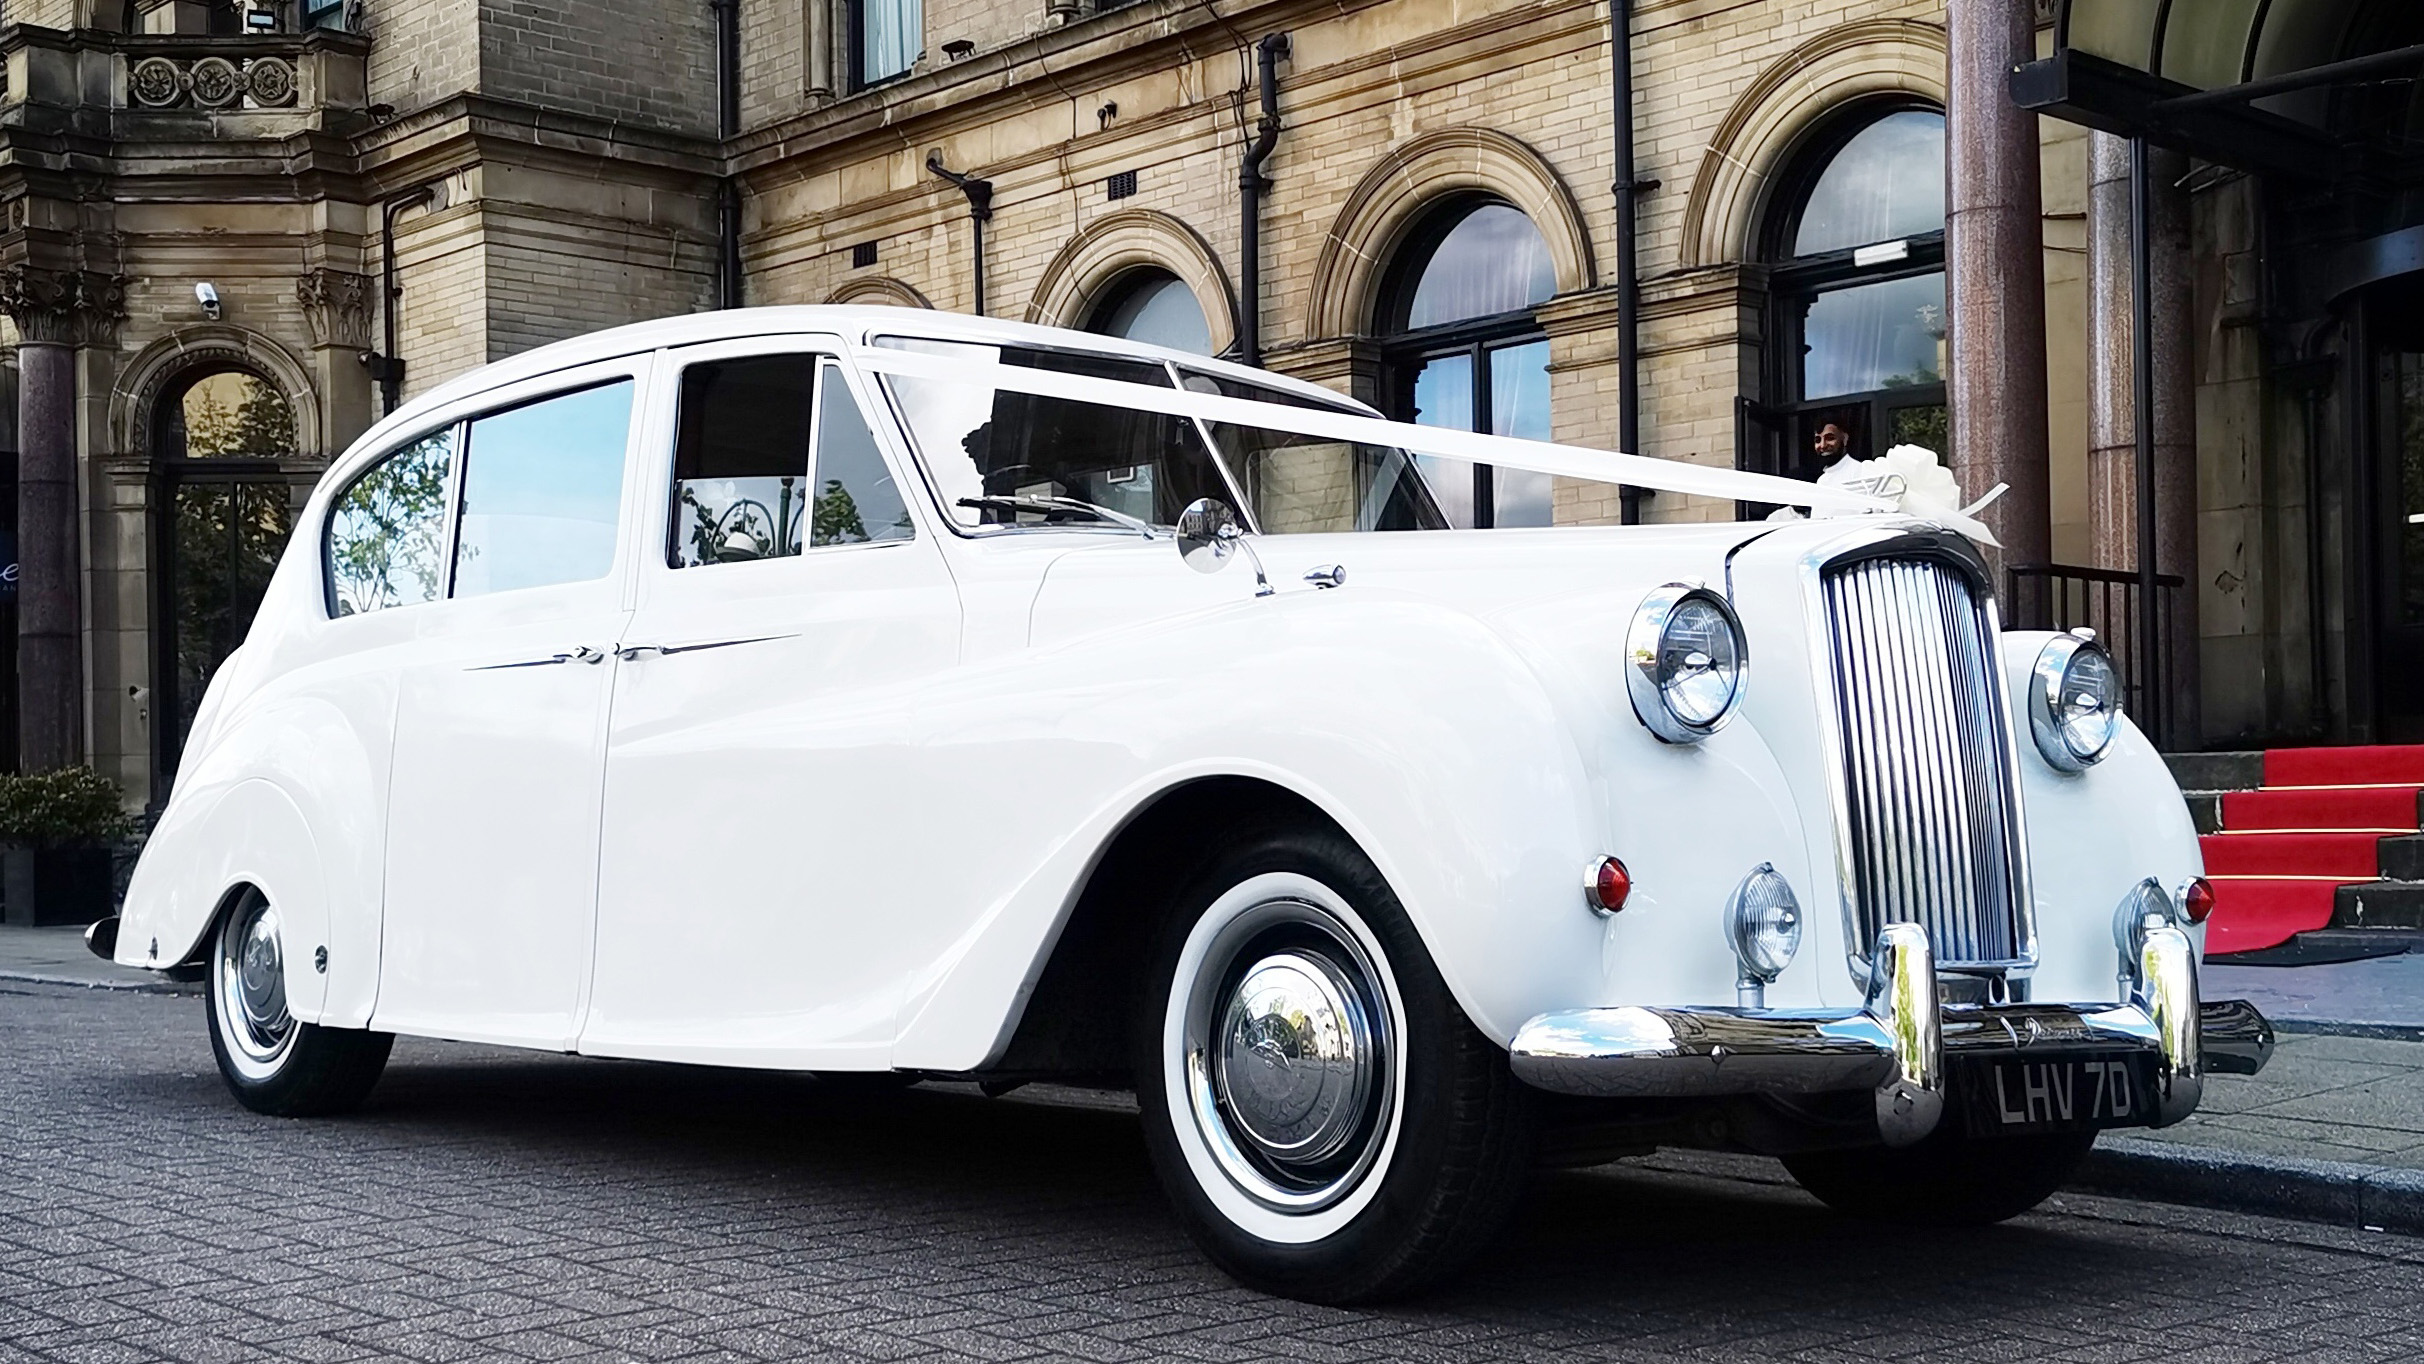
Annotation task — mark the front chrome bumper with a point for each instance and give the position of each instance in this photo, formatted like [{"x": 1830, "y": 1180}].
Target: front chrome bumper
[{"x": 1895, "y": 1045}]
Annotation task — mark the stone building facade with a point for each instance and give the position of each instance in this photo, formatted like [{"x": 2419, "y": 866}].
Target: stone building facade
[{"x": 528, "y": 171}]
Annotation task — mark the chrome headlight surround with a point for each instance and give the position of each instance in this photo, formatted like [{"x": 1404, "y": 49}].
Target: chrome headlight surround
[
  {"x": 2074, "y": 701},
  {"x": 1659, "y": 660}
]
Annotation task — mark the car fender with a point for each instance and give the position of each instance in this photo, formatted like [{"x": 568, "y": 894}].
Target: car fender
[
  {"x": 2093, "y": 835},
  {"x": 1410, "y": 724},
  {"x": 204, "y": 851},
  {"x": 286, "y": 801}
]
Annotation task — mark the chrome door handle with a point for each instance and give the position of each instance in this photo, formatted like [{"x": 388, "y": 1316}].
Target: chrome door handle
[
  {"x": 582, "y": 653},
  {"x": 628, "y": 652}
]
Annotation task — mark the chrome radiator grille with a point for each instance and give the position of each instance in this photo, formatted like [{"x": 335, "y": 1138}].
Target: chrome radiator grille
[{"x": 1934, "y": 821}]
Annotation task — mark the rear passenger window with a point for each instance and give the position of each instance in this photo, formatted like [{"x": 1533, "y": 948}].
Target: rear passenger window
[
  {"x": 387, "y": 532},
  {"x": 543, "y": 492},
  {"x": 773, "y": 456}
]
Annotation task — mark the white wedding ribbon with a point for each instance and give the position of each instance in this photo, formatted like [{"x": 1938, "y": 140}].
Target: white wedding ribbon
[{"x": 1506, "y": 452}]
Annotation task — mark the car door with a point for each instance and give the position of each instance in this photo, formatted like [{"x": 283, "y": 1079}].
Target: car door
[
  {"x": 765, "y": 775},
  {"x": 492, "y": 824}
]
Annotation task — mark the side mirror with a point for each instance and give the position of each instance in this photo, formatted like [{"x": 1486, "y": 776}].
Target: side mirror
[{"x": 1208, "y": 534}]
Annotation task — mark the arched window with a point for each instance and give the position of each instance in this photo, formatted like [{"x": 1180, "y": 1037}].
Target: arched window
[
  {"x": 222, "y": 441},
  {"x": 1462, "y": 349},
  {"x": 1153, "y": 306},
  {"x": 1860, "y": 312}
]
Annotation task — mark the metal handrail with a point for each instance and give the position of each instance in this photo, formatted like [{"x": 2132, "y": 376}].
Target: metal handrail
[{"x": 2106, "y": 600}]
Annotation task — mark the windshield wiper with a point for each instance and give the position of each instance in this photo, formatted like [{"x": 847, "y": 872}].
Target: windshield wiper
[{"x": 1045, "y": 506}]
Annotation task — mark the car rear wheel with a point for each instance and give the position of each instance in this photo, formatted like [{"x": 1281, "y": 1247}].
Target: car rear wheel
[
  {"x": 1947, "y": 1180},
  {"x": 272, "y": 1062},
  {"x": 1328, "y": 1123}
]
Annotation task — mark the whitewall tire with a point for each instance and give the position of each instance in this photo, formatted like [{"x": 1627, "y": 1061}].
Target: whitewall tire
[
  {"x": 272, "y": 1062},
  {"x": 1327, "y": 1121}
]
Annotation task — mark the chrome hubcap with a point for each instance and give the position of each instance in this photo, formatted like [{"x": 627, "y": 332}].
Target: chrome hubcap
[
  {"x": 1289, "y": 1055},
  {"x": 250, "y": 980},
  {"x": 1293, "y": 1064}
]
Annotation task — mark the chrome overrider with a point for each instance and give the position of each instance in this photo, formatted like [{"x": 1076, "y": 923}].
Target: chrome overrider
[{"x": 1895, "y": 1045}]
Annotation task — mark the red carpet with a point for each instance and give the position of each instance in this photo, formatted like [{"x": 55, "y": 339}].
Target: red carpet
[{"x": 2313, "y": 827}]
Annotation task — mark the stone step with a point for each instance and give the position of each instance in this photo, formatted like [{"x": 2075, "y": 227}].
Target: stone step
[
  {"x": 2401, "y": 857},
  {"x": 2205, "y": 807},
  {"x": 2216, "y": 771},
  {"x": 2379, "y": 904}
]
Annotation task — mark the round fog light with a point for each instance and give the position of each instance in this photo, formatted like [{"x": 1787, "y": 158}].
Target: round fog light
[{"x": 1763, "y": 924}]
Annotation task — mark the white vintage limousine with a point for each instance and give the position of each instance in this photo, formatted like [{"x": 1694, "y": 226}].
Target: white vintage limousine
[{"x": 877, "y": 691}]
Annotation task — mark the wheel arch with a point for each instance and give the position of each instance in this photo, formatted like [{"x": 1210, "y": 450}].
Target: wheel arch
[{"x": 1082, "y": 981}]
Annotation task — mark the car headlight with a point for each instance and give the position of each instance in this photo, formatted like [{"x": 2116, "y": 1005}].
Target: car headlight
[
  {"x": 1688, "y": 657},
  {"x": 2074, "y": 701}
]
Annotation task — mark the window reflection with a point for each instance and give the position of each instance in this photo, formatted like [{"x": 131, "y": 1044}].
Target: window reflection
[
  {"x": 740, "y": 466},
  {"x": 1306, "y": 484},
  {"x": 1875, "y": 336},
  {"x": 999, "y": 457},
  {"x": 387, "y": 532},
  {"x": 543, "y": 492},
  {"x": 1886, "y": 182},
  {"x": 1157, "y": 307},
  {"x": 857, "y": 500},
  {"x": 1493, "y": 261}
]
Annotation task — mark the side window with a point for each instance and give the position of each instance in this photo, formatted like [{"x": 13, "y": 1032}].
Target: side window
[
  {"x": 856, "y": 499},
  {"x": 386, "y": 542},
  {"x": 740, "y": 462},
  {"x": 543, "y": 492}
]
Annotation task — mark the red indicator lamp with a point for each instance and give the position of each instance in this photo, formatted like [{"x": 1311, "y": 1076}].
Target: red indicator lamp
[
  {"x": 1606, "y": 884},
  {"x": 2198, "y": 900}
]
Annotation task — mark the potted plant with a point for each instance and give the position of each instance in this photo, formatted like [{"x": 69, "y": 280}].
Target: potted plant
[{"x": 56, "y": 833}]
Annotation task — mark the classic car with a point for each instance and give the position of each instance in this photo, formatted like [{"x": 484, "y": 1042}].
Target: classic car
[{"x": 869, "y": 691}]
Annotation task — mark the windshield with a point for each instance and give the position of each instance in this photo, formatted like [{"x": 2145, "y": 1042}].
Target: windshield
[
  {"x": 1307, "y": 484},
  {"x": 1002, "y": 458}
]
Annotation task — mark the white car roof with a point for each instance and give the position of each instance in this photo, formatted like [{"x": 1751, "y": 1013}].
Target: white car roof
[{"x": 855, "y": 323}]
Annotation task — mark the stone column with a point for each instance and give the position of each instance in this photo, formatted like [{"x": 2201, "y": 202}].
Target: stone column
[
  {"x": 2112, "y": 395},
  {"x": 1996, "y": 276},
  {"x": 55, "y": 312}
]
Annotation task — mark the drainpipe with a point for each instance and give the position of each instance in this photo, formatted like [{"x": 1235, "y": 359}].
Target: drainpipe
[
  {"x": 1251, "y": 182},
  {"x": 1629, "y": 189},
  {"x": 980, "y": 212},
  {"x": 388, "y": 369},
  {"x": 2150, "y": 673},
  {"x": 727, "y": 126}
]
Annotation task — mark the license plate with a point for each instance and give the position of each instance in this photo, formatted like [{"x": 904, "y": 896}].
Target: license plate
[{"x": 2004, "y": 1096}]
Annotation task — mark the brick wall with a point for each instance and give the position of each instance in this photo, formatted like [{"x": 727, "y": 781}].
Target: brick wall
[
  {"x": 422, "y": 51},
  {"x": 651, "y": 65}
]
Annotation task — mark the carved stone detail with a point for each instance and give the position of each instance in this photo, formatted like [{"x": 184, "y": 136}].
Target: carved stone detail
[
  {"x": 212, "y": 83},
  {"x": 63, "y": 307},
  {"x": 270, "y": 81},
  {"x": 156, "y": 83},
  {"x": 337, "y": 305}
]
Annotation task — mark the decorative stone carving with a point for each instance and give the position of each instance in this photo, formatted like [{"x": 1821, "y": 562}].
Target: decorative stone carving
[
  {"x": 271, "y": 81},
  {"x": 63, "y": 307},
  {"x": 156, "y": 83},
  {"x": 337, "y": 305},
  {"x": 214, "y": 82},
  {"x": 264, "y": 82}
]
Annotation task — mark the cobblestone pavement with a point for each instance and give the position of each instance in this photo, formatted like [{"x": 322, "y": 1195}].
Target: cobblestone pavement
[{"x": 490, "y": 1205}]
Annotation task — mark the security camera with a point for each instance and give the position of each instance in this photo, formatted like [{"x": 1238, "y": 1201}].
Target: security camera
[{"x": 207, "y": 294}]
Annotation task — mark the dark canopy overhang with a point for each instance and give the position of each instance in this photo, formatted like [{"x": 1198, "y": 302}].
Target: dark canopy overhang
[{"x": 2317, "y": 90}]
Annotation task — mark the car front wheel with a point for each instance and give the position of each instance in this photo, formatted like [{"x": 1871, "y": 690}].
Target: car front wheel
[
  {"x": 1328, "y": 1123},
  {"x": 274, "y": 1063}
]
